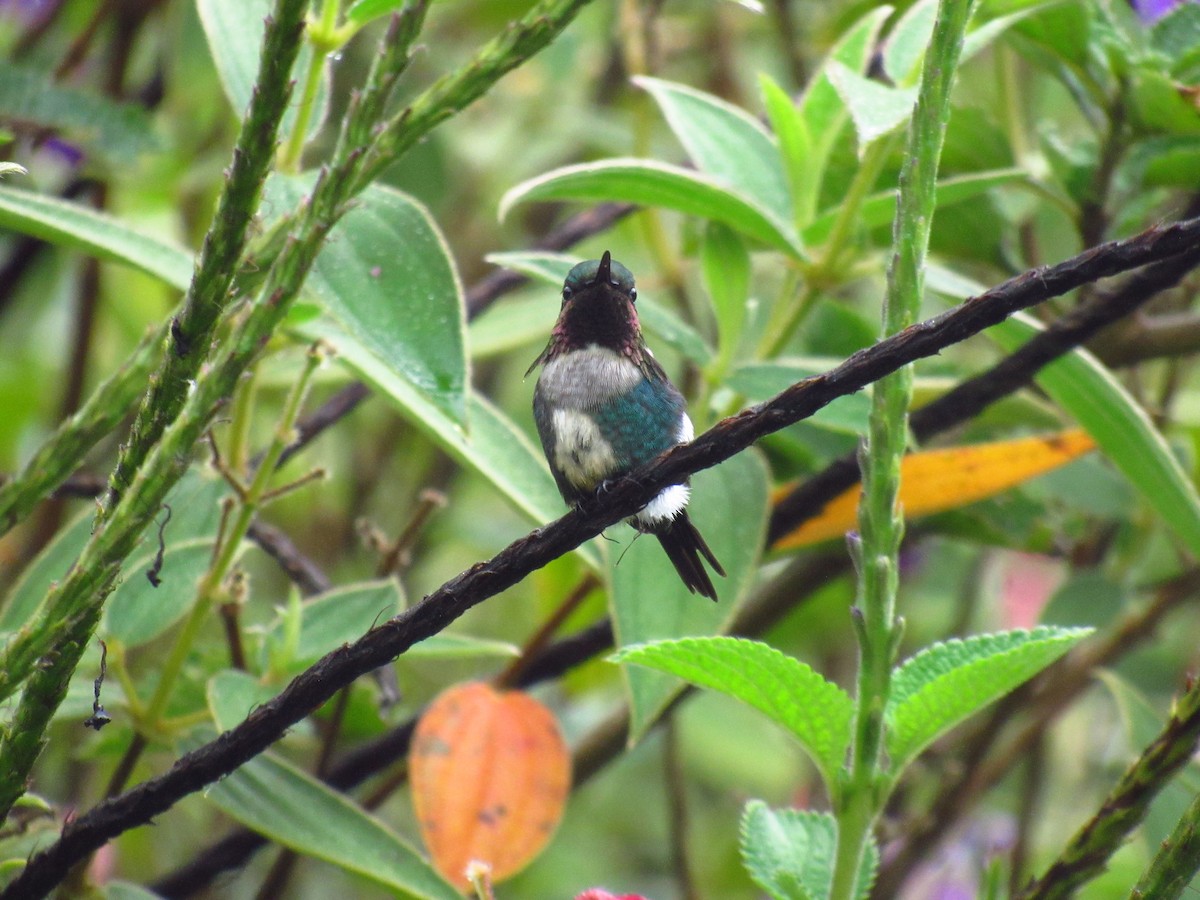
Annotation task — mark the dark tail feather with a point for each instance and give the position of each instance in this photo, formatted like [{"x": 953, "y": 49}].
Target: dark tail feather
[{"x": 684, "y": 547}]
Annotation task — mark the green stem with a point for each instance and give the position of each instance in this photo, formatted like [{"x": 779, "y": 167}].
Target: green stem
[
  {"x": 323, "y": 39},
  {"x": 208, "y": 296},
  {"x": 1125, "y": 807},
  {"x": 1177, "y": 860},
  {"x": 235, "y": 532},
  {"x": 880, "y": 521}
]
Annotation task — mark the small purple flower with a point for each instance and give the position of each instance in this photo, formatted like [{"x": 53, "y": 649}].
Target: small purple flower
[{"x": 1150, "y": 11}]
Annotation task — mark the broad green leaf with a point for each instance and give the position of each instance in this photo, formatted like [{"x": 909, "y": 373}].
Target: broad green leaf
[
  {"x": 116, "y": 132},
  {"x": 330, "y": 620},
  {"x": 386, "y": 275},
  {"x": 495, "y": 447},
  {"x": 515, "y": 322},
  {"x": 759, "y": 381},
  {"x": 662, "y": 326},
  {"x": 725, "y": 263},
  {"x": 137, "y": 611},
  {"x": 817, "y": 712},
  {"x": 648, "y": 600},
  {"x": 196, "y": 510},
  {"x": 1081, "y": 385},
  {"x": 879, "y": 209},
  {"x": 795, "y": 143},
  {"x": 790, "y": 852},
  {"x": 291, "y": 808},
  {"x": 234, "y": 29},
  {"x": 82, "y": 228},
  {"x": 652, "y": 183},
  {"x": 724, "y": 141},
  {"x": 947, "y": 682},
  {"x": 875, "y": 108}
]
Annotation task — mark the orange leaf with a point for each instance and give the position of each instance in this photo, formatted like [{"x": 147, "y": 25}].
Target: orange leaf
[
  {"x": 490, "y": 774},
  {"x": 938, "y": 480}
]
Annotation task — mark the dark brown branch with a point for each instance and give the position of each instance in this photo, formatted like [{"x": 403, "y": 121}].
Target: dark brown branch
[
  {"x": 621, "y": 499},
  {"x": 970, "y": 397}
]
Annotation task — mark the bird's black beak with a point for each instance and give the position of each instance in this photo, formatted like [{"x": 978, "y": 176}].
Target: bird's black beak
[{"x": 604, "y": 271}]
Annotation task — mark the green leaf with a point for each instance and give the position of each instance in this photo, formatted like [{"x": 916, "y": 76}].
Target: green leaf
[
  {"x": 196, "y": 510},
  {"x": 652, "y": 183},
  {"x": 387, "y": 276},
  {"x": 875, "y": 108},
  {"x": 725, "y": 142},
  {"x": 760, "y": 381},
  {"x": 817, "y": 712},
  {"x": 82, "y": 228},
  {"x": 116, "y": 132},
  {"x": 907, "y": 40},
  {"x": 795, "y": 143},
  {"x": 291, "y": 808},
  {"x": 137, "y": 611},
  {"x": 661, "y": 324},
  {"x": 823, "y": 111},
  {"x": 234, "y": 29},
  {"x": 363, "y": 11},
  {"x": 1081, "y": 385},
  {"x": 725, "y": 263},
  {"x": 330, "y": 620},
  {"x": 232, "y": 695},
  {"x": 947, "y": 682},
  {"x": 790, "y": 852},
  {"x": 880, "y": 209},
  {"x": 461, "y": 646},
  {"x": 648, "y": 600}
]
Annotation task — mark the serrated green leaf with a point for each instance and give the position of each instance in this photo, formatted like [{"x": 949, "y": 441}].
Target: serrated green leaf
[
  {"x": 790, "y": 852},
  {"x": 293, "y": 809},
  {"x": 1080, "y": 384},
  {"x": 652, "y": 183},
  {"x": 234, "y": 29},
  {"x": 817, "y": 712},
  {"x": 947, "y": 682},
  {"x": 648, "y": 600},
  {"x": 79, "y": 227},
  {"x": 386, "y": 275},
  {"x": 116, "y": 132},
  {"x": 724, "y": 141}
]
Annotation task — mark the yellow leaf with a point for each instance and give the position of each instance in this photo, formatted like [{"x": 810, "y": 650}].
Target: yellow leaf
[{"x": 937, "y": 480}]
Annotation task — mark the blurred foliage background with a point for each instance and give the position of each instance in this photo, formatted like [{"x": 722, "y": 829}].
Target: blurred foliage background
[{"x": 1082, "y": 118}]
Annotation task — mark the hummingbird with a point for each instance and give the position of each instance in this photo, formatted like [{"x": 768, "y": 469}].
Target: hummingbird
[{"x": 604, "y": 406}]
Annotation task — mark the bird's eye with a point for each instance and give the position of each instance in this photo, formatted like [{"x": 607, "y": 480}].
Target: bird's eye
[
  {"x": 633, "y": 294},
  {"x": 566, "y": 293}
]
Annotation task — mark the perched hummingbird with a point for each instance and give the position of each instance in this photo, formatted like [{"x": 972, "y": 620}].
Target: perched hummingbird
[{"x": 603, "y": 406}]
